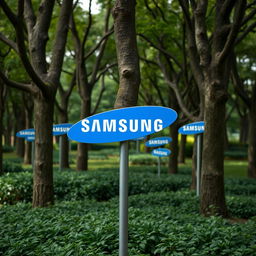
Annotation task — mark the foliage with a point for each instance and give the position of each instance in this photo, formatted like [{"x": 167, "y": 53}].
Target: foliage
[
  {"x": 7, "y": 149},
  {"x": 103, "y": 185},
  {"x": 159, "y": 224}
]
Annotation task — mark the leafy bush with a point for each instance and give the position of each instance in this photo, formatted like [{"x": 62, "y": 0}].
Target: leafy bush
[
  {"x": 7, "y": 149},
  {"x": 12, "y": 166},
  {"x": 159, "y": 224},
  {"x": 99, "y": 185},
  {"x": 146, "y": 159}
]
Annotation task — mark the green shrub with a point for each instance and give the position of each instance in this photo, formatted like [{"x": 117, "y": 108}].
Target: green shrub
[
  {"x": 146, "y": 159},
  {"x": 163, "y": 224},
  {"x": 12, "y": 166},
  {"x": 7, "y": 149}
]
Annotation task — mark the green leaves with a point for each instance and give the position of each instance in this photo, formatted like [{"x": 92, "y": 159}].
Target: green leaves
[{"x": 162, "y": 223}]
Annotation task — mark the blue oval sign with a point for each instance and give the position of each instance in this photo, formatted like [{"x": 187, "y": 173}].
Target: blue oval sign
[
  {"x": 122, "y": 124},
  {"x": 155, "y": 142},
  {"x": 25, "y": 133},
  {"x": 30, "y": 138},
  {"x": 161, "y": 152},
  {"x": 60, "y": 129},
  {"x": 193, "y": 128}
]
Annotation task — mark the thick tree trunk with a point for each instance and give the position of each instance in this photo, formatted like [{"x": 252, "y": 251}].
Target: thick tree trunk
[
  {"x": 252, "y": 142},
  {"x": 65, "y": 143},
  {"x": 82, "y": 148},
  {"x": 173, "y": 158},
  {"x": 244, "y": 129},
  {"x": 43, "y": 173},
  {"x": 182, "y": 149},
  {"x": 29, "y": 124},
  {"x": 127, "y": 53},
  {"x": 212, "y": 189}
]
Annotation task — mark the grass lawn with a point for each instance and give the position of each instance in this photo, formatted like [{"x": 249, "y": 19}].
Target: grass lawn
[{"x": 233, "y": 168}]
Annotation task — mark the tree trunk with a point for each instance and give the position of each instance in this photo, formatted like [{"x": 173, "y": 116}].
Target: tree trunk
[
  {"x": 244, "y": 128},
  {"x": 147, "y": 149},
  {"x": 193, "y": 171},
  {"x": 182, "y": 149},
  {"x": 65, "y": 143},
  {"x": 20, "y": 125},
  {"x": 8, "y": 129},
  {"x": 82, "y": 148},
  {"x": 226, "y": 141},
  {"x": 29, "y": 124},
  {"x": 43, "y": 174},
  {"x": 127, "y": 53},
  {"x": 252, "y": 142},
  {"x": 173, "y": 158},
  {"x": 212, "y": 189},
  {"x": 1, "y": 125}
]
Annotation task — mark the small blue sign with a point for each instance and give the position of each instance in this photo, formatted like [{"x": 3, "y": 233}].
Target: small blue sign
[
  {"x": 122, "y": 124},
  {"x": 156, "y": 142},
  {"x": 25, "y": 133},
  {"x": 161, "y": 152},
  {"x": 30, "y": 138},
  {"x": 192, "y": 128},
  {"x": 60, "y": 129}
]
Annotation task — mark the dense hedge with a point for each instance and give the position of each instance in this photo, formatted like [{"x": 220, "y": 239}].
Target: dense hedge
[
  {"x": 98, "y": 185},
  {"x": 165, "y": 224},
  {"x": 103, "y": 185}
]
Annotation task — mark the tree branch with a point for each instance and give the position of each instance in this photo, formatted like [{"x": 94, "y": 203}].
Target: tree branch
[
  {"x": 24, "y": 87},
  {"x": 238, "y": 84},
  {"x": 160, "y": 49},
  {"x": 98, "y": 44},
  {"x": 60, "y": 42},
  {"x": 87, "y": 28},
  {"x": 245, "y": 32},
  {"x": 9, "y": 42},
  {"x": 100, "y": 95},
  {"x": 238, "y": 16}
]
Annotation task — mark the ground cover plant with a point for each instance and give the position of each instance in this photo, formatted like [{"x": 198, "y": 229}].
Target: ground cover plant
[{"x": 161, "y": 223}]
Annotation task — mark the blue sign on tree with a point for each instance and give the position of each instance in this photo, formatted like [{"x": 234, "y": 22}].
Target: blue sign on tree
[{"x": 122, "y": 124}]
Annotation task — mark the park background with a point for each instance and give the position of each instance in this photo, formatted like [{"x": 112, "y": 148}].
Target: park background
[{"x": 63, "y": 61}]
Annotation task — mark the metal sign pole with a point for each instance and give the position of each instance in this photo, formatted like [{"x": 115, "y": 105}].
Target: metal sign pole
[
  {"x": 137, "y": 146},
  {"x": 159, "y": 166},
  {"x": 198, "y": 162},
  {"x": 33, "y": 154},
  {"x": 123, "y": 200},
  {"x": 60, "y": 153}
]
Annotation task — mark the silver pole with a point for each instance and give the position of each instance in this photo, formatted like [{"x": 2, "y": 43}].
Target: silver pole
[
  {"x": 137, "y": 146},
  {"x": 159, "y": 166},
  {"x": 60, "y": 153},
  {"x": 33, "y": 155},
  {"x": 198, "y": 163},
  {"x": 123, "y": 200}
]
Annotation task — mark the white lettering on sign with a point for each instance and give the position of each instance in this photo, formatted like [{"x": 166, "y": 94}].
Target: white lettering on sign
[
  {"x": 27, "y": 133},
  {"x": 61, "y": 129},
  {"x": 123, "y": 125},
  {"x": 162, "y": 153},
  {"x": 158, "y": 142},
  {"x": 193, "y": 128}
]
